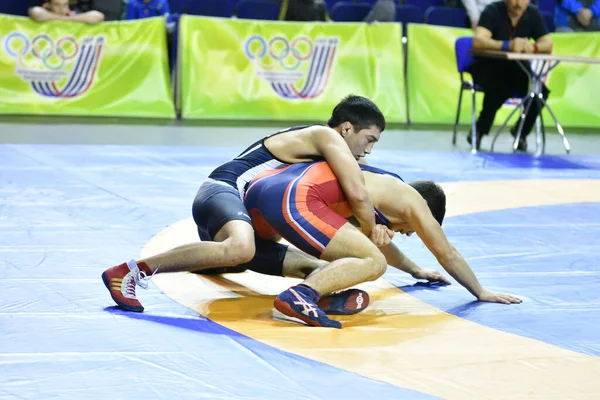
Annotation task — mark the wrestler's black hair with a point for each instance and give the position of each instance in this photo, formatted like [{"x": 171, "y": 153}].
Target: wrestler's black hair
[
  {"x": 434, "y": 196},
  {"x": 361, "y": 112}
]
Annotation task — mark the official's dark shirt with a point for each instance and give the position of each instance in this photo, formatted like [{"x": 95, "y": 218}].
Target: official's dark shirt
[{"x": 495, "y": 19}]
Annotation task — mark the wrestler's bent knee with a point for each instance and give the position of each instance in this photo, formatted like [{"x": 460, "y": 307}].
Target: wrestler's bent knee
[
  {"x": 239, "y": 252},
  {"x": 378, "y": 266}
]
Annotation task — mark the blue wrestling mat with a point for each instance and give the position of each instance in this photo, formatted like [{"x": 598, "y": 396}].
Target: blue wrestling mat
[{"x": 70, "y": 212}]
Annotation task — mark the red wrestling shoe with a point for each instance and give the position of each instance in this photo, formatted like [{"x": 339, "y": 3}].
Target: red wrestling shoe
[
  {"x": 346, "y": 302},
  {"x": 121, "y": 280}
]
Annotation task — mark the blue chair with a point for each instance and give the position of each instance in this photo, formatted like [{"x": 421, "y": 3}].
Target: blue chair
[
  {"x": 331, "y": 3},
  {"x": 407, "y": 13},
  {"x": 423, "y": 5},
  {"x": 446, "y": 16},
  {"x": 463, "y": 62},
  {"x": 178, "y": 6},
  {"x": 258, "y": 9},
  {"x": 210, "y": 8},
  {"x": 346, "y": 11},
  {"x": 549, "y": 21},
  {"x": 14, "y": 7},
  {"x": 546, "y": 6}
]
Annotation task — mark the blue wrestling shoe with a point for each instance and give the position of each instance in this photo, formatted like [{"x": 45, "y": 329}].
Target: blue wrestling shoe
[
  {"x": 301, "y": 302},
  {"x": 346, "y": 302}
]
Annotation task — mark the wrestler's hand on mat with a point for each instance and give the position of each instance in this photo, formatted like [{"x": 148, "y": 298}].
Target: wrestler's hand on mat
[
  {"x": 431, "y": 276},
  {"x": 492, "y": 297},
  {"x": 381, "y": 235}
]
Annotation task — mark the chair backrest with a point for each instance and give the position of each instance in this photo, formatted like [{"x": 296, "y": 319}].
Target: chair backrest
[
  {"x": 546, "y": 6},
  {"x": 177, "y": 6},
  {"x": 112, "y": 9},
  {"x": 211, "y": 8},
  {"x": 424, "y": 4},
  {"x": 446, "y": 16},
  {"x": 346, "y": 11},
  {"x": 258, "y": 9},
  {"x": 549, "y": 21},
  {"x": 407, "y": 13},
  {"x": 331, "y": 3},
  {"x": 14, "y": 7},
  {"x": 463, "y": 58}
]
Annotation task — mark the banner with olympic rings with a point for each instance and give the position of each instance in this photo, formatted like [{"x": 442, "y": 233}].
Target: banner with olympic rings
[
  {"x": 434, "y": 80},
  {"x": 259, "y": 70},
  {"x": 61, "y": 68}
]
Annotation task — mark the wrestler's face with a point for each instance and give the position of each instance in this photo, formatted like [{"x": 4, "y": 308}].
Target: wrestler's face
[
  {"x": 516, "y": 8},
  {"x": 60, "y": 7},
  {"x": 403, "y": 228},
  {"x": 360, "y": 143}
]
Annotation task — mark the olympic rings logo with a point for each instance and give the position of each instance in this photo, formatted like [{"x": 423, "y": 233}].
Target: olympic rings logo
[
  {"x": 42, "y": 48},
  {"x": 289, "y": 55}
]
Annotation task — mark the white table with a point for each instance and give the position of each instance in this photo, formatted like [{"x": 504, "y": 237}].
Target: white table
[{"x": 535, "y": 91}]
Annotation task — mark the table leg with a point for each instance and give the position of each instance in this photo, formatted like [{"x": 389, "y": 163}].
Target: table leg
[
  {"x": 558, "y": 126},
  {"x": 473, "y": 124},
  {"x": 535, "y": 79},
  {"x": 538, "y": 139},
  {"x": 519, "y": 107},
  {"x": 535, "y": 87},
  {"x": 541, "y": 139}
]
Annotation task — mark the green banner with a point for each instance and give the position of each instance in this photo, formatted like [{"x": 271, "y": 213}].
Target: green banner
[
  {"x": 250, "y": 70},
  {"x": 434, "y": 81},
  {"x": 68, "y": 68}
]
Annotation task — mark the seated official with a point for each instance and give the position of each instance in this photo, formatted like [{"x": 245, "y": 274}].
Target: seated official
[{"x": 508, "y": 26}]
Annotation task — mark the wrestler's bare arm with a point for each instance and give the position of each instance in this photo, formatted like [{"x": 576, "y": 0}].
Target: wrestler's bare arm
[
  {"x": 419, "y": 217},
  {"x": 377, "y": 185},
  {"x": 416, "y": 213},
  {"x": 398, "y": 259}
]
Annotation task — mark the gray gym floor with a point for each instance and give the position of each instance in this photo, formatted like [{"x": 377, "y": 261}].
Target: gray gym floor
[{"x": 64, "y": 130}]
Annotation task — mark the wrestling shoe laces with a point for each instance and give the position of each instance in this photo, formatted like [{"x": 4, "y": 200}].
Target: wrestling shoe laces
[{"x": 135, "y": 277}]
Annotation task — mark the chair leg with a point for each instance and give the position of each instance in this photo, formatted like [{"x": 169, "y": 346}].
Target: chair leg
[
  {"x": 460, "y": 95},
  {"x": 473, "y": 123}
]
